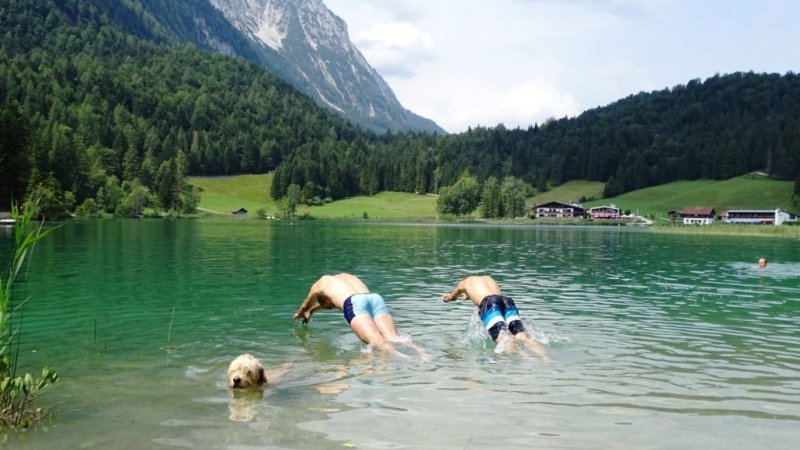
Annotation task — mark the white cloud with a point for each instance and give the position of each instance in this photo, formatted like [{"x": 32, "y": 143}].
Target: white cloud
[
  {"x": 395, "y": 48},
  {"x": 527, "y": 102},
  {"x": 472, "y": 62},
  {"x": 471, "y": 100}
]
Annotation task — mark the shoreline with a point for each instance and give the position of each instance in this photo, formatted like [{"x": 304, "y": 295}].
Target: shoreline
[{"x": 783, "y": 231}]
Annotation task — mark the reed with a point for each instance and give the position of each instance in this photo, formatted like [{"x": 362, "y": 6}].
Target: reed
[
  {"x": 19, "y": 394},
  {"x": 783, "y": 231}
]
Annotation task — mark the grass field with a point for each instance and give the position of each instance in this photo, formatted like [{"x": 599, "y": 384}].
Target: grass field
[
  {"x": 744, "y": 192},
  {"x": 222, "y": 195},
  {"x": 386, "y": 205},
  {"x": 569, "y": 191},
  {"x": 721, "y": 229}
]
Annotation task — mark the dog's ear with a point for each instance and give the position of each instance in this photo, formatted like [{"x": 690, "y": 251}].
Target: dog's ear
[{"x": 262, "y": 376}]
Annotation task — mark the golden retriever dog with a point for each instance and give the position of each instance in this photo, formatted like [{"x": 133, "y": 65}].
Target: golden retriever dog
[{"x": 246, "y": 371}]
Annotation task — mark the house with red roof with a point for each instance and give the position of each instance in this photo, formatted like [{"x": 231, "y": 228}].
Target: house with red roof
[{"x": 605, "y": 212}]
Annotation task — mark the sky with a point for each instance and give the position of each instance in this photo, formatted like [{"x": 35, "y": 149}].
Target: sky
[{"x": 467, "y": 63}]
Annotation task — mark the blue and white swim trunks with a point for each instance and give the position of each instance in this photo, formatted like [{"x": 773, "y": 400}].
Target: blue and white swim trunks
[
  {"x": 499, "y": 313},
  {"x": 371, "y": 304}
]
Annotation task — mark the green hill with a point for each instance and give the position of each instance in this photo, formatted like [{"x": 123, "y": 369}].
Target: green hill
[
  {"x": 98, "y": 97},
  {"x": 385, "y": 205},
  {"x": 222, "y": 195},
  {"x": 744, "y": 192},
  {"x": 569, "y": 191}
]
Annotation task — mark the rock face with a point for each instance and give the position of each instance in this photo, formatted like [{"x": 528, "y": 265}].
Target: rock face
[{"x": 306, "y": 44}]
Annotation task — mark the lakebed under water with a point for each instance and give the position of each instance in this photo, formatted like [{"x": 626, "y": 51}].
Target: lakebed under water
[{"x": 655, "y": 341}]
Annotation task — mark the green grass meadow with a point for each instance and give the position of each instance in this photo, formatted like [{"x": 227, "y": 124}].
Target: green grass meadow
[
  {"x": 744, "y": 192},
  {"x": 223, "y": 195},
  {"x": 385, "y": 205},
  {"x": 569, "y": 191}
]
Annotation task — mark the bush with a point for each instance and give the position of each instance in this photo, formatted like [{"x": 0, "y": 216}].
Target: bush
[
  {"x": 18, "y": 396},
  {"x": 89, "y": 208},
  {"x": 47, "y": 200}
]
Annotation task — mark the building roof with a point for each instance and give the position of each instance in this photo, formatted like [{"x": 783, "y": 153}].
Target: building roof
[
  {"x": 555, "y": 204},
  {"x": 768, "y": 211},
  {"x": 698, "y": 211}
]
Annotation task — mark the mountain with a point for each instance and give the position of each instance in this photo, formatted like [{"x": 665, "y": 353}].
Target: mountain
[
  {"x": 100, "y": 102},
  {"x": 301, "y": 41}
]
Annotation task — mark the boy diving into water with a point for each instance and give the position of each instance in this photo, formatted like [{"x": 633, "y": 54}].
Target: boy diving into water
[
  {"x": 365, "y": 312},
  {"x": 497, "y": 312}
]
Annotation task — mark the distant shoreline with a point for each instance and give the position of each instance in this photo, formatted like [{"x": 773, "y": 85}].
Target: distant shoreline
[{"x": 783, "y": 231}]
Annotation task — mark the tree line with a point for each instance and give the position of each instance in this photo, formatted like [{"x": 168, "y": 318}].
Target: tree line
[
  {"x": 103, "y": 110},
  {"x": 719, "y": 128}
]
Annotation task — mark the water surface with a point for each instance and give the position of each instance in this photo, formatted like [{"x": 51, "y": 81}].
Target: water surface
[{"x": 655, "y": 341}]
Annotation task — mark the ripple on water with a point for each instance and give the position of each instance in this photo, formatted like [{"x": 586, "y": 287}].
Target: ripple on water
[{"x": 653, "y": 341}]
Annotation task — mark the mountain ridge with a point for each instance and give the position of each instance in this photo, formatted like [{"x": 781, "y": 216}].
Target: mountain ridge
[{"x": 302, "y": 42}]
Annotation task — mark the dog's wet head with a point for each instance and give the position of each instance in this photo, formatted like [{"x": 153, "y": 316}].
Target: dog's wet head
[{"x": 246, "y": 371}]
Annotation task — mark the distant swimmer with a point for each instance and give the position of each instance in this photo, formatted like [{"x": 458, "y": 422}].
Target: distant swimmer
[
  {"x": 365, "y": 312},
  {"x": 498, "y": 313},
  {"x": 762, "y": 262}
]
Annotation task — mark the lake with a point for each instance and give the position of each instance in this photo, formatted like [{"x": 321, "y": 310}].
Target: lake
[{"x": 655, "y": 341}]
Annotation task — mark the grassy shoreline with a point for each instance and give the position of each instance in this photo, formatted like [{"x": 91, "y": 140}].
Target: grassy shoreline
[
  {"x": 767, "y": 231},
  {"x": 783, "y": 231},
  {"x": 221, "y": 195}
]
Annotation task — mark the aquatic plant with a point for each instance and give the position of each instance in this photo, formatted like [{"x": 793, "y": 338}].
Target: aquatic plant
[{"x": 19, "y": 394}]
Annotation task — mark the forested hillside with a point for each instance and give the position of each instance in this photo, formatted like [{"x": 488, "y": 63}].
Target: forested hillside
[
  {"x": 101, "y": 109},
  {"x": 88, "y": 108},
  {"x": 713, "y": 129}
]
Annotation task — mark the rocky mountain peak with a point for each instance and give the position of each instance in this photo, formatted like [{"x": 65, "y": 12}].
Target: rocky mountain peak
[{"x": 312, "y": 48}]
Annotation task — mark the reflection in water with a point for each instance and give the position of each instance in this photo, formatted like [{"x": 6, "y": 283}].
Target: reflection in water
[
  {"x": 655, "y": 341},
  {"x": 244, "y": 403}
]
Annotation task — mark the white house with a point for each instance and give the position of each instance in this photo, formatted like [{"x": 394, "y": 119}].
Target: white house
[
  {"x": 698, "y": 216},
  {"x": 605, "y": 212},
  {"x": 558, "y": 210},
  {"x": 758, "y": 216}
]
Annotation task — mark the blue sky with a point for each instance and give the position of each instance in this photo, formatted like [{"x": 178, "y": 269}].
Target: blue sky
[{"x": 518, "y": 62}]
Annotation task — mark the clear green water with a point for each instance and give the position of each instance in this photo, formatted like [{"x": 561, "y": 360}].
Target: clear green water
[{"x": 657, "y": 341}]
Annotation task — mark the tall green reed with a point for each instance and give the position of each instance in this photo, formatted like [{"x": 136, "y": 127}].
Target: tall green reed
[{"x": 19, "y": 394}]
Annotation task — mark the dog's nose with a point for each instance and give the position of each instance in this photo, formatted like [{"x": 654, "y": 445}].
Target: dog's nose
[{"x": 237, "y": 381}]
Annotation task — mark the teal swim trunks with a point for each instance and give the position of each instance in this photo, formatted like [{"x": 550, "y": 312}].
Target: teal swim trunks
[{"x": 371, "y": 304}]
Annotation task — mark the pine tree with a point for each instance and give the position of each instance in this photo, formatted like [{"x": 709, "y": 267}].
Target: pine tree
[{"x": 491, "y": 199}]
